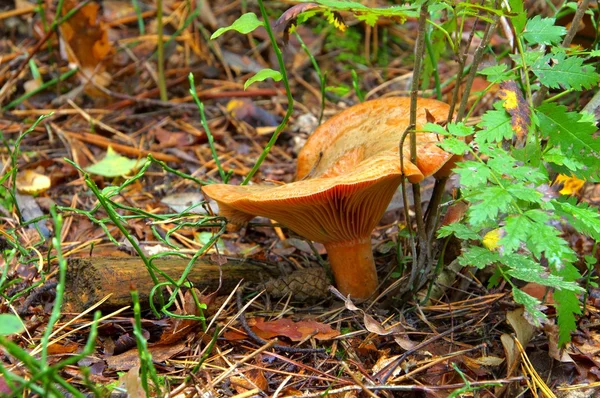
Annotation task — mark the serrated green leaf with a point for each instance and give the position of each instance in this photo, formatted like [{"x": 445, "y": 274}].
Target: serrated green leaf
[
  {"x": 559, "y": 70},
  {"x": 262, "y": 76},
  {"x": 522, "y": 192},
  {"x": 522, "y": 267},
  {"x": 454, "y": 145},
  {"x": 499, "y": 160},
  {"x": 369, "y": 19},
  {"x": 459, "y": 230},
  {"x": 10, "y": 324},
  {"x": 493, "y": 200},
  {"x": 595, "y": 53},
  {"x": 435, "y": 128},
  {"x": 460, "y": 129},
  {"x": 572, "y": 132},
  {"x": 556, "y": 156},
  {"x": 244, "y": 25},
  {"x": 567, "y": 306},
  {"x": 582, "y": 217},
  {"x": 479, "y": 257},
  {"x": 532, "y": 306},
  {"x": 495, "y": 125},
  {"x": 543, "y": 31},
  {"x": 473, "y": 174},
  {"x": 519, "y": 17},
  {"x": 547, "y": 241},
  {"x": 497, "y": 73},
  {"x": 114, "y": 165},
  {"x": 517, "y": 230}
]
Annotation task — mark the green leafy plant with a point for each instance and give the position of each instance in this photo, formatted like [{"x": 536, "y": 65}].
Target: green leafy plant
[{"x": 517, "y": 147}]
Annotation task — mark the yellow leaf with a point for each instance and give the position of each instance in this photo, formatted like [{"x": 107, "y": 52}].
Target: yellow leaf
[
  {"x": 571, "y": 185},
  {"x": 491, "y": 239}
]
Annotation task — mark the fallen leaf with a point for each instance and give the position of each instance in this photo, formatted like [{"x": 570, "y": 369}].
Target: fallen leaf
[
  {"x": 455, "y": 213},
  {"x": 131, "y": 358},
  {"x": 252, "y": 379},
  {"x": 491, "y": 239},
  {"x": 570, "y": 185},
  {"x": 132, "y": 383},
  {"x": 113, "y": 165},
  {"x": 540, "y": 292},
  {"x": 517, "y": 108},
  {"x": 84, "y": 41},
  {"x": 295, "y": 331},
  {"x": 32, "y": 183},
  {"x": 524, "y": 330},
  {"x": 245, "y": 110}
]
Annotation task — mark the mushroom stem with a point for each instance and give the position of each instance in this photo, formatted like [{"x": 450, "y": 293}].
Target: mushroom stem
[{"x": 353, "y": 267}]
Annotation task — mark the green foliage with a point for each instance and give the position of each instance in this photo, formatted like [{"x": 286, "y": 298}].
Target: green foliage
[
  {"x": 542, "y": 31},
  {"x": 562, "y": 71},
  {"x": 495, "y": 126},
  {"x": 245, "y": 24},
  {"x": 114, "y": 165},
  {"x": 369, "y": 15},
  {"x": 10, "y": 324},
  {"x": 262, "y": 76},
  {"x": 505, "y": 185},
  {"x": 573, "y": 133}
]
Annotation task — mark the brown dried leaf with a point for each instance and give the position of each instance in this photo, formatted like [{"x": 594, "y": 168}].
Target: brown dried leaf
[
  {"x": 254, "y": 378},
  {"x": 84, "y": 41},
  {"x": 131, "y": 358},
  {"x": 455, "y": 213},
  {"x": 287, "y": 21},
  {"x": 295, "y": 331}
]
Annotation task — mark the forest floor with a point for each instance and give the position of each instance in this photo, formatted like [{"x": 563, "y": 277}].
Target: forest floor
[{"x": 468, "y": 340}]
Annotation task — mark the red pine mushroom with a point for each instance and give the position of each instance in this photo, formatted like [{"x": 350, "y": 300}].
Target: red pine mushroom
[{"x": 347, "y": 174}]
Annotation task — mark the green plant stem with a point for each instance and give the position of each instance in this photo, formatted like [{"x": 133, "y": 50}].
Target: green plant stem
[
  {"x": 41, "y": 88},
  {"x": 210, "y": 137},
  {"x": 147, "y": 369},
  {"x": 60, "y": 288},
  {"x": 436, "y": 74},
  {"x": 519, "y": 42},
  {"x": 288, "y": 91},
  {"x": 162, "y": 85},
  {"x": 140, "y": 19},
  {"x": 319, "y": 73}
]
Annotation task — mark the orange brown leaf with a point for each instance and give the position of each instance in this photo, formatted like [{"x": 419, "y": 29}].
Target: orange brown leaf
[{"x": 517, "y": 108}]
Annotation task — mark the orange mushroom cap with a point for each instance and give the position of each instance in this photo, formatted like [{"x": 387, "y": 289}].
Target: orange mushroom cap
[{"x": 348, "y": 172}]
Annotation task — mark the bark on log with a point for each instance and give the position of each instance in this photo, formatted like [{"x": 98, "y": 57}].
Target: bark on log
[{"x": 91, "y": 279}]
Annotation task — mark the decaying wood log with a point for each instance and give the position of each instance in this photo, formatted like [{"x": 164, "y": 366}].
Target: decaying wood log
[{"x": 91, "y": 279}]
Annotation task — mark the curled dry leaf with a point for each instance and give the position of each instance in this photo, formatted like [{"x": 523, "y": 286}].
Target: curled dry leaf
[
  {"x": 254, "y": 378},
  {"x": 288, "y": 21},
  {"x": 517, "y": 108},
  {"x": 295, "y": 331},
  {"x": 84, "y": 41},
  {"x": 455, "y": 213}
]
